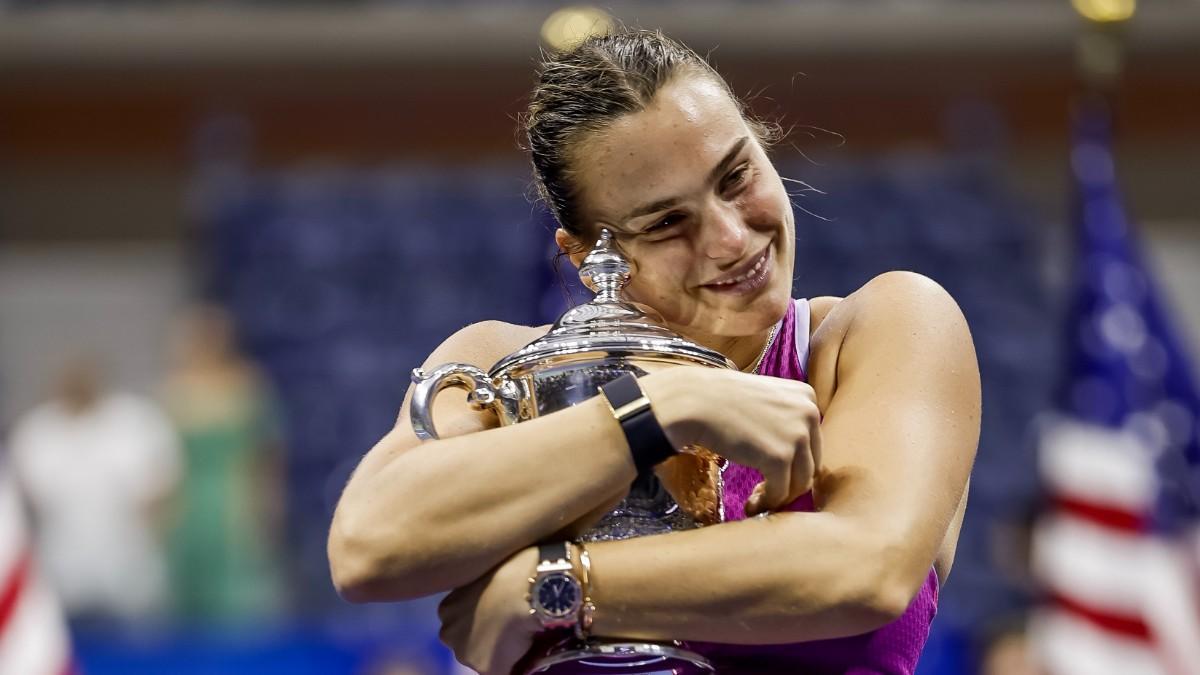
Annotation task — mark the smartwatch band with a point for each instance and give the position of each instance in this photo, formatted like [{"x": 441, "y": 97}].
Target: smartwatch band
[{"x": 648, "y": 443}]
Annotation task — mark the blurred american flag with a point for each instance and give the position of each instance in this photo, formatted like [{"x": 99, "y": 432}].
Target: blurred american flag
[
  {"x": 33, "y": 637},
  {"x": 1118, "y": 550}
]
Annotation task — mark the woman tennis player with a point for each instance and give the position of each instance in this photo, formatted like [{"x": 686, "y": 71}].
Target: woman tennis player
[{"x": 854, "y": 425}]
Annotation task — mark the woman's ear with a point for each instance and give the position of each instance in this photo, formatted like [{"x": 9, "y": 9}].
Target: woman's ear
[{"x": 575, "y": 250}]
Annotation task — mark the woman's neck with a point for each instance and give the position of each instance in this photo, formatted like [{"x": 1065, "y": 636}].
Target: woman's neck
[{"x": 743, "y": 350}]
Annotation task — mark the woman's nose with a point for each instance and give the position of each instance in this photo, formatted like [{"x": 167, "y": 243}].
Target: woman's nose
[{"x": 723, "y": 235}]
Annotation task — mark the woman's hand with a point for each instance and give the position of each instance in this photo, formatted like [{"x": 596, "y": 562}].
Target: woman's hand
[
  {"x": 767, "y": 423},
  {"x": 487, "y": 623}
]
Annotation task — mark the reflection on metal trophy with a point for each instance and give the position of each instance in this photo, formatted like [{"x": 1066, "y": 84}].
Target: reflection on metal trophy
[{"x": 589, "y": 346}]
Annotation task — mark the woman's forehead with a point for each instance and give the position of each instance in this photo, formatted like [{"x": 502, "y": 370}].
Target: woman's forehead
[{"x": 666, "y": 150}]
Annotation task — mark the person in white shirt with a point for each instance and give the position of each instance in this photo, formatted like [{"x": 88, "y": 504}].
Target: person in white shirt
[{"x": 96, "y": 468}]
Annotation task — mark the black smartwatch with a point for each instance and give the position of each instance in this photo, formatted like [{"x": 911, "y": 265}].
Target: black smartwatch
[{"x": 648, "y": 442}]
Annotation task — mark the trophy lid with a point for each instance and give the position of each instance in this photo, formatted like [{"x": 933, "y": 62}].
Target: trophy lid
[{"x": 608, "y": 325}]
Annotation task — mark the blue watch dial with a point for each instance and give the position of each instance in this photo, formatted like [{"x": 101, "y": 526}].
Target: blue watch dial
[{"x": 558, "y": 595}]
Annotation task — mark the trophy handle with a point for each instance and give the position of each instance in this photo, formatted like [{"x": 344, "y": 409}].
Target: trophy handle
[{"x": 503, "y": 398}]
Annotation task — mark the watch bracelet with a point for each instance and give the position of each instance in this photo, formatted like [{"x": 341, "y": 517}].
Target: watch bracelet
[{"x": 587, "y": 609}]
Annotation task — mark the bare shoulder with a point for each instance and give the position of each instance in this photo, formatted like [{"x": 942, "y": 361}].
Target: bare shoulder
[
  {"x": 894, "y": 308},
  {"x": 484, "y": 343},
  {"x": 481, "y": 345},
  {"x": 819, "y": 308},
  {"x": 892, "y": 297},
  {"x": 896, "y": 301}
]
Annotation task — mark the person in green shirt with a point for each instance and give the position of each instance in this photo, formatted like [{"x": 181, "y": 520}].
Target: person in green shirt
[{"x": 224, "y": 546}]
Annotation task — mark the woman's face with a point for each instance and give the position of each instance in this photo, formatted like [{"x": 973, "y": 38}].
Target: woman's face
[{"x": 698, "y": 208}]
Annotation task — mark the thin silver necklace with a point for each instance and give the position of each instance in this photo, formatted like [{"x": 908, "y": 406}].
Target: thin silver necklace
[
  {"x": 767, "y": 346},
  {"x": 723, "y": 463}
]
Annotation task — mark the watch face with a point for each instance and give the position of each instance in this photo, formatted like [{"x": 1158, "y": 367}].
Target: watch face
[{"x": 558, "y": 594}]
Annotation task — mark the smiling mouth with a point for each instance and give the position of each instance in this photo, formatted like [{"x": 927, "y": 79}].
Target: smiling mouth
[{"x": 752, "y": 272}]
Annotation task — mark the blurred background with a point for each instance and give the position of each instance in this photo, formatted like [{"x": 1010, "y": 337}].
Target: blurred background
[{"x": 229, "y": 230}]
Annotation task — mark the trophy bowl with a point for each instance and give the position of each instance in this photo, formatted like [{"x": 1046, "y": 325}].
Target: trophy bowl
[{"x": 589, "y": 346}]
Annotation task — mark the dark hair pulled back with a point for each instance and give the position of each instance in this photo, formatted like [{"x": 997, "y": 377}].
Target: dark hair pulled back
[{"x": 581, "y": 91}]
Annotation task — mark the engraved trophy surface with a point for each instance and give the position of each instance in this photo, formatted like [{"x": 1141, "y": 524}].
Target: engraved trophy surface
[{"x": 589, "y": 346}]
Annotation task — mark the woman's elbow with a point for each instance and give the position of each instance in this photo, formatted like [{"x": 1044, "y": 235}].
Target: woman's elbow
[
  {"x": 887, "y": 603},
  {"x": 867, "y": 583},
  {"x": 887, "y": 586},
  {"x": 863, "y": 606},
  {"x": 364, "y": 568},
  {"x": 352, "y": 567}
]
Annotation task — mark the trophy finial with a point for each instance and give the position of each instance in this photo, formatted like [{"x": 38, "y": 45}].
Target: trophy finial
[{"x": 606, "y": 268}]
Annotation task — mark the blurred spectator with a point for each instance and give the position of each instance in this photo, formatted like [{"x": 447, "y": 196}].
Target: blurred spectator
[
  {"x": 96, "y": 466},
  {"x": 1006, "y": 650},
  {"x": 225, "y": 540}
]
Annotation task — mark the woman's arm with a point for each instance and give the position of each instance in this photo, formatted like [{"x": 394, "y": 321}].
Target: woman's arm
[
  {"x": 417, "y": 518},
  {"x": 899, "y": 437}
]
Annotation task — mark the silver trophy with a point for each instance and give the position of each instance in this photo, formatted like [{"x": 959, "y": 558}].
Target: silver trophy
[{"x": 591, "y": 345}]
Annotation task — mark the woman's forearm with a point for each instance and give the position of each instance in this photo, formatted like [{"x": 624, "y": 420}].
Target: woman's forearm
[
  {"x": 439, "y": 515},
  {"x": 789, "y": 577}
]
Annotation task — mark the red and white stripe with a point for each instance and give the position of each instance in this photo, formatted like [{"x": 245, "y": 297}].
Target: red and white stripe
[
  {"x": 1121, "y": 600},
  {"x": 33, "y": 636}
]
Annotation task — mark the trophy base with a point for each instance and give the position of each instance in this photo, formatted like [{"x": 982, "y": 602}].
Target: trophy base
[{"x": 621, "y": 658}]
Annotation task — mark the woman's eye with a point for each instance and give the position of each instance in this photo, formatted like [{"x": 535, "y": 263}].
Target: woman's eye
[
  {"x": 736, "y": 178},
  {"x": 663, "y": 224}
]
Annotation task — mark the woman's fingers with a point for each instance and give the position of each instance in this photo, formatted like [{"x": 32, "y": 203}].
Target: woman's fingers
[
  {"x": 802, "y": 466},
  {"x": 777, "y": 481},
  {"x": 802, "y": 476},
  {"x": 754, "y": 502},
  {"x": 448, "y": 615},
  {"x": 806, "y": 420},
  {"x": 768, "y": 423},
  {"x": 800, "y": 473},
  {"x": 814, "y": 448},
  {"x": 456, "y": 612},
  {"x": 773, "y": 491}
]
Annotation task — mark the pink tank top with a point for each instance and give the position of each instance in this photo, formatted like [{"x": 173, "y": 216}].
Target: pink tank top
[{"x": 892, "y": 649}]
